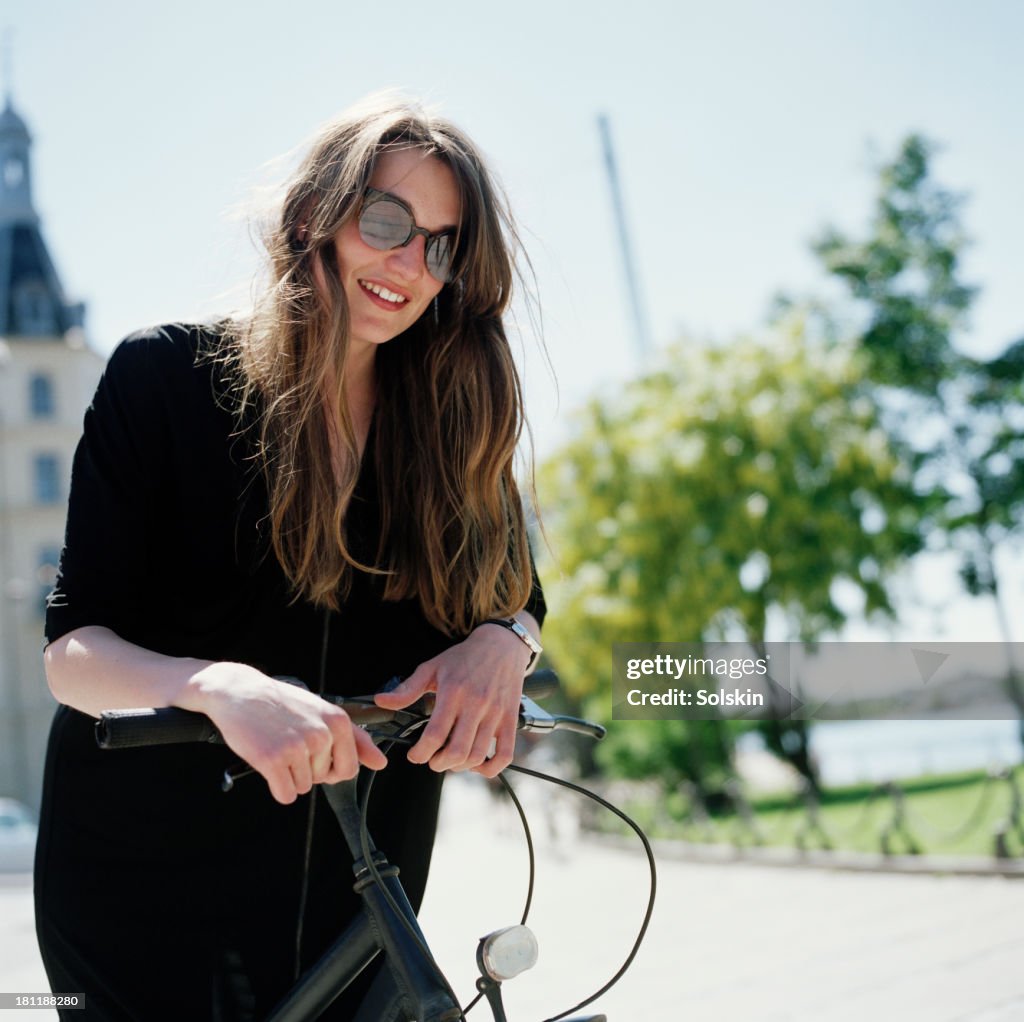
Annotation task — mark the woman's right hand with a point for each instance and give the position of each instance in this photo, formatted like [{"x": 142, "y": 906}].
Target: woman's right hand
[
  {"x": 289, "y": 735},
  {"x": 292, "y": 737}
]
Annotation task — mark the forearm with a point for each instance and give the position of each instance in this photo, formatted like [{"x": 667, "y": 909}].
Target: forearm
[
  {"x": 291, "y": 736},
  {"x": 93, "y": 669}
]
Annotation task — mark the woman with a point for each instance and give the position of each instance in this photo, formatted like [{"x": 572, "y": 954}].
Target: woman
[{"x": 323, "y": 490}]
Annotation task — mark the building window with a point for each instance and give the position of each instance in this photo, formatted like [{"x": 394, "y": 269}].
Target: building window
[
  {"x": 47, "y": 479},
  {"x": 40, "y": 396}
]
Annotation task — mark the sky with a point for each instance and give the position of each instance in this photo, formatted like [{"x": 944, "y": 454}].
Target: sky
[{"x": 740, "y": 129}]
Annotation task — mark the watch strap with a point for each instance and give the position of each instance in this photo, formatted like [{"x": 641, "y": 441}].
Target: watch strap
[{"x": 519, "y": 629}]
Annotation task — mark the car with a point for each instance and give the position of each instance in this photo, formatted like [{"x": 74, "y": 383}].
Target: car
[{"x": 17, "y": 837}]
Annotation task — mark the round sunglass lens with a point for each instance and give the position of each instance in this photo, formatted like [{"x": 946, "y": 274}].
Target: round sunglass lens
[
  {"x": 439, "y": 257},
  {"x": 384, "y": 224}
]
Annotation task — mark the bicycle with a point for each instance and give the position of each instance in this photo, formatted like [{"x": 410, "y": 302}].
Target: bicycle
[{"x": 410, "y": 987}]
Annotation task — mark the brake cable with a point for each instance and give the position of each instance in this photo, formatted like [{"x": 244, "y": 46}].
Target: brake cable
[{"x": 579, "y": 789}]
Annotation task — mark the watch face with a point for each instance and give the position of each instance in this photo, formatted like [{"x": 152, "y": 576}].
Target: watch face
[{"x": 524, "y": 633}]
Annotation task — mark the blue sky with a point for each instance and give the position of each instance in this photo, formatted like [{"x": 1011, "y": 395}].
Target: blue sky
[{"x": 741, "y": 128}]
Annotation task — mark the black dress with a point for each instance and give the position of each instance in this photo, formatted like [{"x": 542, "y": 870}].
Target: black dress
[{"x": 158, "y": 896}]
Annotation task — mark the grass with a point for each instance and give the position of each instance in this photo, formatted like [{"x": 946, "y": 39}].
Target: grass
[{"x": 949, "y": 814}]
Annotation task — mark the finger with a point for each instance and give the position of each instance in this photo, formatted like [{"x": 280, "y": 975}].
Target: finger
[
  {"x": 322, "y": 766},
  {"x": 367, "y": 751},
  {"x": 323, "y": 748},
  {"x": 485, "y": 746},
  {"x": 341, "y": 761},
  {"x": 420, "y": 681},
  {"x": 302, "y": 775},
  {"x": 351, "y": 746},
  {"x": 505, "y": 747},
  {"x": 360, "y": 749},
  {"x": 344, "y": 765},
  {"x": 434, "y": 737},
  {"x": 457, "y": 753},
  {"x": 281, "y": 784}
]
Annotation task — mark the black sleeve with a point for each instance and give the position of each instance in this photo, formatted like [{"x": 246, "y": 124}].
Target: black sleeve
[{"x": 115, "y": 477}]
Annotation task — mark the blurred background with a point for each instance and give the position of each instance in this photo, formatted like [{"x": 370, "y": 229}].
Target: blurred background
[{"x": 772, "y": 336}]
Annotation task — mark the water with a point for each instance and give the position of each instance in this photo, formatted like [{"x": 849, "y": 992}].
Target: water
[
  {"x": 854, "y": 750},
  {"x": 849, "y": 751}
]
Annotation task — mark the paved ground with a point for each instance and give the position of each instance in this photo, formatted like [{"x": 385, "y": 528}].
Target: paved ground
[{"x": 728, "y": 943}]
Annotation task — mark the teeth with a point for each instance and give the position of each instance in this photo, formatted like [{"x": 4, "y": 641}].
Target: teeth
[{"x": 383, "y": 292}]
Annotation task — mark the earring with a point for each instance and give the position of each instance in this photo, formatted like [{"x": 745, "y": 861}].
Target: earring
[{"x": 437, "y": 311}]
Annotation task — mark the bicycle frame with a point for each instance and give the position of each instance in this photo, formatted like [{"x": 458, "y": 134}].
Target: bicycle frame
[{"x": 412, "y": 988}]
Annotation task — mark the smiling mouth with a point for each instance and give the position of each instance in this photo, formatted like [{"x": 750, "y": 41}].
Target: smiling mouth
[{"x": 383, "y": 292}]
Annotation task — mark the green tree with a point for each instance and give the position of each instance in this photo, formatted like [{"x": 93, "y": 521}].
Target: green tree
[
  {"x": 958, "y": 421},
  {"x": 731, "y": 493},
  {"x": 904, "y": 275}
]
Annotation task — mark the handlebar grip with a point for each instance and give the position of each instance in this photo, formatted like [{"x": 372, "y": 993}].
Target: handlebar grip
[
  {"x": 168, "y": 725},
  {"x": 541, "y": 684}
]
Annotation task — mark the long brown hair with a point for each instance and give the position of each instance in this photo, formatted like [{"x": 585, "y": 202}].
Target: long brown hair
[{"x": 449, "y": 400}]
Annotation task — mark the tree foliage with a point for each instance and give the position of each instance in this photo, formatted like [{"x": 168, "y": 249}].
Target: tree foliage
[
  {"x": 905, "y": 274},
  {"x": 959, "y": 420},
  {"x": 769, "y": 489},
  {"x": 732, "y": 491}
]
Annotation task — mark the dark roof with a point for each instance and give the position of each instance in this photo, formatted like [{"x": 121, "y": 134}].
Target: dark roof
[
  {"x": 12, "y": 124},
  {"x": 32, "y": 301}
]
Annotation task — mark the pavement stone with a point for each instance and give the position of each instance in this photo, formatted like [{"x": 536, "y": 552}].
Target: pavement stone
[{"x": 728, "y": 942}]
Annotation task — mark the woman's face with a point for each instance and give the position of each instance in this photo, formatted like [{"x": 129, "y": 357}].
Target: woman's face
[{"x": 388, "y": 291}]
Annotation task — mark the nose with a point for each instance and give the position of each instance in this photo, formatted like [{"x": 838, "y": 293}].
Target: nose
[{"x": 410, "y": 260}]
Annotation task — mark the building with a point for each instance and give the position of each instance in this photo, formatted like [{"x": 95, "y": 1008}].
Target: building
[{"x": 47, "y": 377}]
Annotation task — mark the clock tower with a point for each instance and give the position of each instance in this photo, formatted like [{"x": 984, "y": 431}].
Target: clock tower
[
  {"x": 32, "y": 302},
  {"x": 47, "y": 376}
]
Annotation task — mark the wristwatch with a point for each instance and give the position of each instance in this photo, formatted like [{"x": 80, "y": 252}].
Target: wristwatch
[{"x": 523, "y": 632}]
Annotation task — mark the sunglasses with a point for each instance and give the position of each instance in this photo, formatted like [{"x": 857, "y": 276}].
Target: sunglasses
[{"x": 386, "y": 222}]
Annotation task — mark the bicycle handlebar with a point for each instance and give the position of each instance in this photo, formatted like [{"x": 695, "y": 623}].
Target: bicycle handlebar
[{"x": 169, "y": 725}]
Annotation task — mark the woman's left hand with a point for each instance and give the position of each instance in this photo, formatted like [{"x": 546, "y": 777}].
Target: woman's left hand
[{"x": 478, "y": 683}]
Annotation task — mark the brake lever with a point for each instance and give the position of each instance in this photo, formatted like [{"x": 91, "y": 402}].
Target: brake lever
[{"x": 535, "y": 718}]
